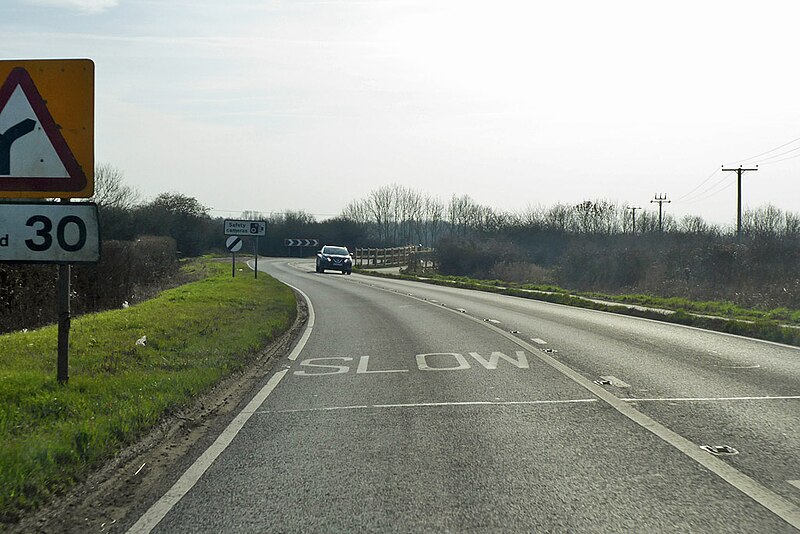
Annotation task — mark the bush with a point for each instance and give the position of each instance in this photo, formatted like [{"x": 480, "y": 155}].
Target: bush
[{"x": 127, "y": 271}]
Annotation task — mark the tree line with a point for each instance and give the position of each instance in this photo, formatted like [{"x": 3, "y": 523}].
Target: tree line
[{"x": 590, "y": 245}]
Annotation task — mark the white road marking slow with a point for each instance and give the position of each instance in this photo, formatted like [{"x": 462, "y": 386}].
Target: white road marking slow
[
  {"x": 616, "y": 382},
  {"x": 429, "y": 405},
  {"x": 539, "y": 341}
]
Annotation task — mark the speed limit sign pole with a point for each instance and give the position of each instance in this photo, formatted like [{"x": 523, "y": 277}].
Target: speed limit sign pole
[{"x": 64, "y": 319}]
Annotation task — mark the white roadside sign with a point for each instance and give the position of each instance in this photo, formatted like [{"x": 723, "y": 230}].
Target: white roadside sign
[
  {"x": 49, "y": 233},
  {"x": 238, "y": 227}
]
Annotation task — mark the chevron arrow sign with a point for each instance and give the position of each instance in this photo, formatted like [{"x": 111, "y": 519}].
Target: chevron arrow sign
[{"x": 301, "y": 242}]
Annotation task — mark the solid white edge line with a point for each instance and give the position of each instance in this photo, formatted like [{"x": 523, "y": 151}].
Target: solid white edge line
[
  {"x": 309, "y": 325},
  {"x": 795, "y": 483},
  {"x": 161, "y": 508},
  {"x": 770, "y": 500}
]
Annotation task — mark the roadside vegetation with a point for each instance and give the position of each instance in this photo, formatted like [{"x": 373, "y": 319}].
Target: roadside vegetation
[{"x": 189, "y": 338}]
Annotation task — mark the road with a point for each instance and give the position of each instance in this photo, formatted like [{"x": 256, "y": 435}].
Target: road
[{"x": 416, "y": 408}]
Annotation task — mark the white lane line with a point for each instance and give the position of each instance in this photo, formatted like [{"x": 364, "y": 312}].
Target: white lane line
[
  {"x": 795, "y": 483},
  {"x": 159, "y": 510},
  {"x": 539, "y": 341},
  {"x": 429, "y": 404},
  {"x": 705, "y": 399},
  {"x": 493, "y": 321},
  {"x": 309, "y": 325},
  {"x": 616, "y": 382}
]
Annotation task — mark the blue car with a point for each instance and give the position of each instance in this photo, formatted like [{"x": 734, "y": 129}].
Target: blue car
[{"x": 334, "y": 259}]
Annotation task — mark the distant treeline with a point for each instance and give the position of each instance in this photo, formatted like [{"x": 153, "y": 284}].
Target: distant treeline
[
  {"x": 592, "y": 246},
  {"x": 588, "y": 246}
]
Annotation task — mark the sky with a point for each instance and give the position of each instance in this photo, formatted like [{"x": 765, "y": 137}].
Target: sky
[{"x": 272, "y": 106}]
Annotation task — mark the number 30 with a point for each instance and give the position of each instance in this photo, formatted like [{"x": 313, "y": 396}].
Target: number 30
[{"x": 46, "y": 228}]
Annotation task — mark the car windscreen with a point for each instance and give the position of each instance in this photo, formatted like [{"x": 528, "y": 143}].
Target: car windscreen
[{"x": 335, "y": 251}]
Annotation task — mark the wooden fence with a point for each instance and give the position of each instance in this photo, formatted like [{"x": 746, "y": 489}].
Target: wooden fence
[{"x": 415, "y": 258}]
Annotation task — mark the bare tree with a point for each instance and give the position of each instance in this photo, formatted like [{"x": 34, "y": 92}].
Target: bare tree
[{"x": 110, "y": 191}]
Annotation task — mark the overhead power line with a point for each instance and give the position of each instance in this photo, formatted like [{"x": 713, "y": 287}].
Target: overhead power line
[
  {"x": 709, "y": 191},
  {"x": 698, "y": 186},
  {"x": 778, "y": 160},
  {"x": 712, "y": 193},
  {"x": 767, "y": 152}
]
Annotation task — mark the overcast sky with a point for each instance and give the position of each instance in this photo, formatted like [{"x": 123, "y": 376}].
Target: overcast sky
[{"x": 273, "y": 106}]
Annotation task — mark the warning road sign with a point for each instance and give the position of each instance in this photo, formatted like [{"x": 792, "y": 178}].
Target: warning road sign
[{"x": 47, "y": 128}]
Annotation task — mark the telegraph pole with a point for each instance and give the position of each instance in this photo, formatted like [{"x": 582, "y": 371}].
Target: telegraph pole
[
  {"x": 634, "y": 217},
  {"x": 739, "y": 172},
  {"x": 660, "y": 199}
]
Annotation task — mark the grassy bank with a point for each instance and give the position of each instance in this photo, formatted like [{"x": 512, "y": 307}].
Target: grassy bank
[
  {"x": 778, "y": 325},
  {"x": 51, "y": 435}
]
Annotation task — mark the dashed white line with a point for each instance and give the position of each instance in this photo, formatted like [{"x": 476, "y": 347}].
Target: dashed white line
[
  {"x": 539, "y": 341},
  {"x": 795, "y": 483}
]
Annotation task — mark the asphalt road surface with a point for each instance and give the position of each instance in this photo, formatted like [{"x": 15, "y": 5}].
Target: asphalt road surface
[{"x": 416, "y": 408}]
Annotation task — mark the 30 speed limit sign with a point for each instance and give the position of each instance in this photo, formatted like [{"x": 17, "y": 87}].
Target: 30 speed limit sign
[{"x": 49, "y": 233}]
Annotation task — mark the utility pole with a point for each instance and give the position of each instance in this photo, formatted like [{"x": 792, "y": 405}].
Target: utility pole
[
  {"x": 739, "y": 172},
  {"x": 633, "y": 209},
  {"x": 660, "y": 199}
]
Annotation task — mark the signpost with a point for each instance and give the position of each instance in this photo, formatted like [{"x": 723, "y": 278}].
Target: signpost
[
  {"x": 47, "y": 151},
  {"x": 234, "y": 245},
  {"x": 237, "y": 227}
]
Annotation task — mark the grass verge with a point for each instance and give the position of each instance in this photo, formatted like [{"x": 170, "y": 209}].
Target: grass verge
[
  {"x": 718, "y": 316},
  {"x": 198, "y": 333}
]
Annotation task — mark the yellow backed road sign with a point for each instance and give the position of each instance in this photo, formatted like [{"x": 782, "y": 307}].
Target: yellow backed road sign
[{"x": 47, "y": 128}]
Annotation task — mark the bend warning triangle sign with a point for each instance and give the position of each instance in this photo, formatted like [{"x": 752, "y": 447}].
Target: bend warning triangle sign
[{"x": 35, "y": 157}]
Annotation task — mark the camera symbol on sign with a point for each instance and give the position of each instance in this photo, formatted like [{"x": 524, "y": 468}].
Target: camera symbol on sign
[{"x": 254, "y": 228}]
